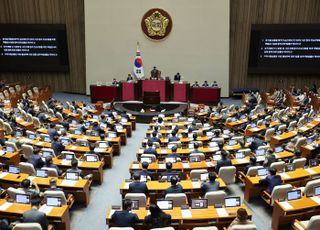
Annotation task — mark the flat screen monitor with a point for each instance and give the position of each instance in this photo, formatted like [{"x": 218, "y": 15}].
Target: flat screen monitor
[
  {"x": 22, "y": 199},
  {"x": 232, "y": 202},
  {"x": 317, "y": 190},
  {"x": 72, "y": 176},
  {"x": 103, "y": 144},
  {"x": 53, "y": 201},
  {"x": 294, "y": 195},
  {"x": 260, "y": 152},
  {"x": 165, "y": 204},
  {"x": 42, "y": 173},
  {"x": 13, "y": 169},
  {"x": 262, "y": 172},
  {"x": 204, "y": 176},
  {"x": 278, "y": 149},
  {"x": 91, "y": 158},
  {"x": 313, "y": 162},
  {"x": 199, "y": 203}
]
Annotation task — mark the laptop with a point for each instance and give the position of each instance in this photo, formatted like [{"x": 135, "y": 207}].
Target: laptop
[
  {"x": 294, "y": 195},
  {"x": 74, "y": 122},
  {"x": 47, "y": 139},
  {"x": 262, "y": 172},
  {"x": 171, "y": 159},
  {"x": 14, "y": 169},
  {"x": 240, "y": 155},
  {"x": 112, "y": 135},
  {"x": 260, "y": 152},
  {"x": 204, "y": 176},
  {"x": 53, "y": 201},
  {"x": 72, "y": 176},
  {"x": 65, "y": 141},
  {"x": 216, "y": 157},
  {"x": 249, "y": 139},
  {"x": 313, "y": 162},
  {"x": 194, "y": 159},
  {"x": 10, "y": 149},
  {"x": 103, "y": 145},
  {"x": 317, "y": 190},
  {"x": 135, "y": 204},
  {"x": 77, "y": 132},
  {"x": 165, "y": 204},
  {"x": 68, "y": 156},
  {"x": 146, "y": 159},
  {"x": 226, "y": 132},
  {"x": 42, "y": 173},
  {"x": 278, "y": 149},
  {"x": 232, "y": 202},
  {"x": 46, "y": 154},
  {"x": 289, "y": 167},
  {"x": 232, "y": 142},
  {"x": 91, "y": 158},
  {"x": 199, "y": 203},
  {"x": 32, "y": 136},
  {"x": 22, "y": 199},
  {"x": 19, "y": 133}
]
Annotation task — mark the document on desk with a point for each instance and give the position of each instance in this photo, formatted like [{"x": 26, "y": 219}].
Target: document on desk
[
  {"x": 31, "y": 178},
  {"x": 185, "y": 165},
  {"x": 73, "y": 147},
  {"x": 45, "y": 209},
  {"x": 111, "y": 213},
  {"x": 311, "y": 171},
  {"x": 186, "y": 213},
  {"x": 242, "y": 161},
  {"x": 2, "y": 152},
  {"x": 162, "y": 166},
  {"x": 5, "y": 206},
  {"x": 222, "y": 212},
  {"x": 316, "y": 199},
  {"x": 3, "y": 174},
  {"x": 284, "y": 175},
  {"x": 126, "y": 185},
  {"x": 40, "y": 143},
  {"x": 286, "y": 205},
  {"x": 135, "y": 166},
  {"x": 196, "y": 184},
  {"x": 68, "y": 182},
  {"x": 65, "y": 162},
  {"x": 213, "y": 149}
]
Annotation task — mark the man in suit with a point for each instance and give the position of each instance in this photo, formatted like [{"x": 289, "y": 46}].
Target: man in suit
[
  {"x": 57, "y": 146},
  {"x": 173, "y": 137},
  {"x": 224, "y": 161},
  {"x": 205, "y": 84},
  {"x": 49, "y": 164},
  {"x": 270, "y": 158},
  {"x": 124, "y": 218},
  {"x": 154, "y": 74},
  {"x": 36, "y": 160},
  {"x": 136, "y": 186},
  {"x": 271, "y": 180},
  {"x": 174, "y": 153},
  {"x": 34, "y": 192},
  {"x": 169, "y": 171},
  {"x": 195, "y": 84},
  {"x": 52, "y": 131},
  {"x": 154, "y": 138},
  {"x": 35, "y": 216},
  {"x": 177, "y": 77},
  {"x": 253, "y": 162},
  {"x": 211, "y": 185},
  {"x": 129, "y": 78},
  {"x": 74, "y": 168},
  {"x": 145, "y": 171},
  {"x": 53, "y": 187},
  {"x": 175, "y": 187},
  {"x": 150, "y": 150}
]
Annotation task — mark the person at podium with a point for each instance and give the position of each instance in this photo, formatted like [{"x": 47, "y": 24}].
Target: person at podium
[
  {"x": 155, "y": 74},
  {"x": 129, "y": 78},
  {"x": 177, "y": 77}
]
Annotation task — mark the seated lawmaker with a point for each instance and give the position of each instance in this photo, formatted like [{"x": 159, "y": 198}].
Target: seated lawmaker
[
  {"x": 145, "y": 171},
  {"x": 150, "y": 149},
  {"x": 57, "y": 146},
  {"x": 224, "y": 161},
  {"x": 49, "y": 164},
  {"x": 271, "y": 180},
  {"x": 242, "y": 218},
  {"x": 195, "y": 84},
  {"x": 169, "y": 170},
  {"x": 129, "y": 78},
  {"x": 211, "y": 185},
  {"x": 157, "y": 218},
  {"x": 253, "y": 162},
  {"x": 36, "y": 160},
  {"x": 124, "y": 218},
  {"x": 114, "y": 81},
  {"x": 173, "y": 137},
  {"x": 175, "y": 187},
  {"x": 137, "y": 186},
  {"x": 35, "y": 216},
  {"x": 215, "y": 84},
  {"x": 177, "y": 77},
  {"x": 205, "y": 84},
  {"x": 154, "y": 138},
  {"x": 155, "y": 74}
]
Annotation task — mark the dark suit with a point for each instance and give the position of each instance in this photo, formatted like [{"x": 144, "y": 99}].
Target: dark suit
[
  {"x": 175, "y": 138},
  {"x": 150, "y": 151},
  {"x": 145, "y": 172},
  {"x": 170, "y": 172},
  {"x": 124, "y": 219},
  {"x": 177, "y": 77},
  {"x": 269, "y": 160},
  {"x": 249, "y": 166},
  {"x": 36, "y": 161},
  {"x": 271, "y": 182},
  {"x": 52, "y": 133},
  {"x": 222, "y": 163},
  {"x": 210, "y": 186},
  {"x": 154, "y": 139},
  {"x": 174, "y": 189},
  {"x": 138, "y": 187},
  {"x": 57, "y": 147},
  {"x": 35, "y": 216},
  {"x": 53, "y": 166},
  {"x": 161, "y": 221}
]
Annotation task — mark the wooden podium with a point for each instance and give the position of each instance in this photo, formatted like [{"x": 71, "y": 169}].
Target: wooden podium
[{"x": 151, "y": 98}]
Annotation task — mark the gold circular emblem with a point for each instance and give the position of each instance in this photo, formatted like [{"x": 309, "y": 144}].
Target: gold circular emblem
[{"x": 156, "y": 24}]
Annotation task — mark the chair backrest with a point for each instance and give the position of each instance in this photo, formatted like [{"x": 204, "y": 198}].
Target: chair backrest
[
  {"x": 282, "y": 127},
  {"x": 201, "y": 156},
  {"x": 153, "y": 157},
  {"x": 215, "y": 197},
  {"x": 314, "y": 223},
  {"x": 279, "y": 166},
  {"x": 27, "y": 226},
  {"x": 269, "y": 133},
  {"x": 238, "y": 138},
  {"x": 299, "y": 163},
  {"x": 196, "y": 173},
  {"x": 27, "y": 151},
  {"x": 141, "y": 197},
  {"x": 7, "y": 128},
  {"x": 301, "y": 141},
  {"x": 58, "y": 194},
  {"x": 13, "y": 191},
  {"x": 280, "y": 192},
  {"x": 12, "y": 144},
  {"x": 244, "y": 227},
  {"x": 253, "y": 171},
  {"x": 52, "y": 172},
  {"x": 218, "y": 140},
  {"x": 292, "y": 124},
  {"x": 309, "y": 188},
  {"x": 177, "y": 143},
  {"x": 227, "y": 174},
  {"x": 205, "y": 228},
  {"x": 178, "y": 199},
  {"x": 36, "y": 122},
  {"x": 27, "y": 168}
]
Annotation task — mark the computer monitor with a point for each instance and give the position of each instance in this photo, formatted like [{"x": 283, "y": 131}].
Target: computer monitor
[
  {"x": 103, "y": 145},
  {"x": 53, "y": 201},
  {"x": 46, "y": 154},
  {"x": 171, "y": 159},
  {"x": 47, "y": 139},
  {"x": 199, "y": 203},
  {"x": 260, "y": 152},
  {"x": 96, "y": 117},
  {"x": 120, "y": 127},
  {"x": 313, "y": 162},
  {"x": 170, "y": 175},
  {"x": 135, "y": 204},
  {"x": 22, "y": 199},
  {"x": 65, "y": 141},
  {"x": 289, "y": 167},
  {"x": 294, "y": 195},
  {"x": 68, "y": 156},
  {"x": 317, "y": 190},
  {"x": 262, "y": 172},
  {"x": 32, "y": 136},
  {"x": 243, "y": 117},
  {"x": 165, "y": 204},
  {"x": 194, "y": 159},
  {"x": 232, "y": 202},
  {"x": 14, "y": 169},
  {"x": 226, "y": 131},
  {"x": 233, "y": 119},
  {"x": 249, "y": 139},
  {"x": 309, "y": 141},
  {"x": 91, "y": 158},
  {"x": 253, "y": 125},
  {"x": 62, "y": 129},
  {"x": 77, "y": 132},
  {"x": 42, "y": 173},
  {"x": 112, "y": 135},
  {"x": 204, "y": 176},
  {"x": 291, "y": 128},
  {"x": 216, "y": 157},
  {"x": 232, "y": 142},
  {"x": 279, "y": 132},
  {"x": 10, "y": 149},
  {"x": 146, "y": 159},
  {"x": 94, "y": 133},
  {"x": 278, "y": 149},
  {"x": 240, "y": 155},
  {"x": 103, "y": 125},
  {"x": 217, "y": 114},
  {"x": 87, "y": 124},
  {"x": 83, "y": 143},
  {"x": 74, "y": 122},
  {"x": 19, "y": 133},
  {"x": 72, "y": 176}
]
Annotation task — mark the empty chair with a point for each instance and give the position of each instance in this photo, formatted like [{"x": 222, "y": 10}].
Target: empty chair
[
  {"x": 227, "y": 174},
  {"x": 59, "y": 116},
  {"x": 7, "y": 128},
  {"x": 201, "y": 156},
  {"x": 279, "y": 166},
  {"x": 52, "y": 172},
  {"x": 141, "y": 197},
  {"x": 259, "y": 123},
  {"x": 279, "y": 192},
  {"x": 27, "y": 168},
  {"x": 244, "y": 227},
  {"x": 27, "y": 226},
  {"x": 29, "y": 118},
  {"x": 301, "y": 141},
  {"x": 27, "y": 151},
  {"x": 282, "y": 128},
  {"x": 151, "y": 156},
  {"x": 312, "y": 224},
  {"x": 253, "y": 171},
  {"x": 238, "y": 138},
  {"x": 215, "y": 197},
  {"x": 61, "y": 195},
  {"x": 36, "y": 122},
  {"x": 299, "y": 163},
  {"x": 178, "y": 199},
  {"x": 308, "y": 190},
  {"x": 80, "y": 112},
  {"x": 269, "y": 133},
  {"x": 292, "y": 125},
  {"x": 196, "y": 173},
  {"x": 44, "y": 105},
  {"x": 301, "y": 121},
  {"x": 205, "y": 228}
]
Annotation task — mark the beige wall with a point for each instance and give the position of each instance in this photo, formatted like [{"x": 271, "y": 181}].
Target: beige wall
[{"x": 198, "y": 46}]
